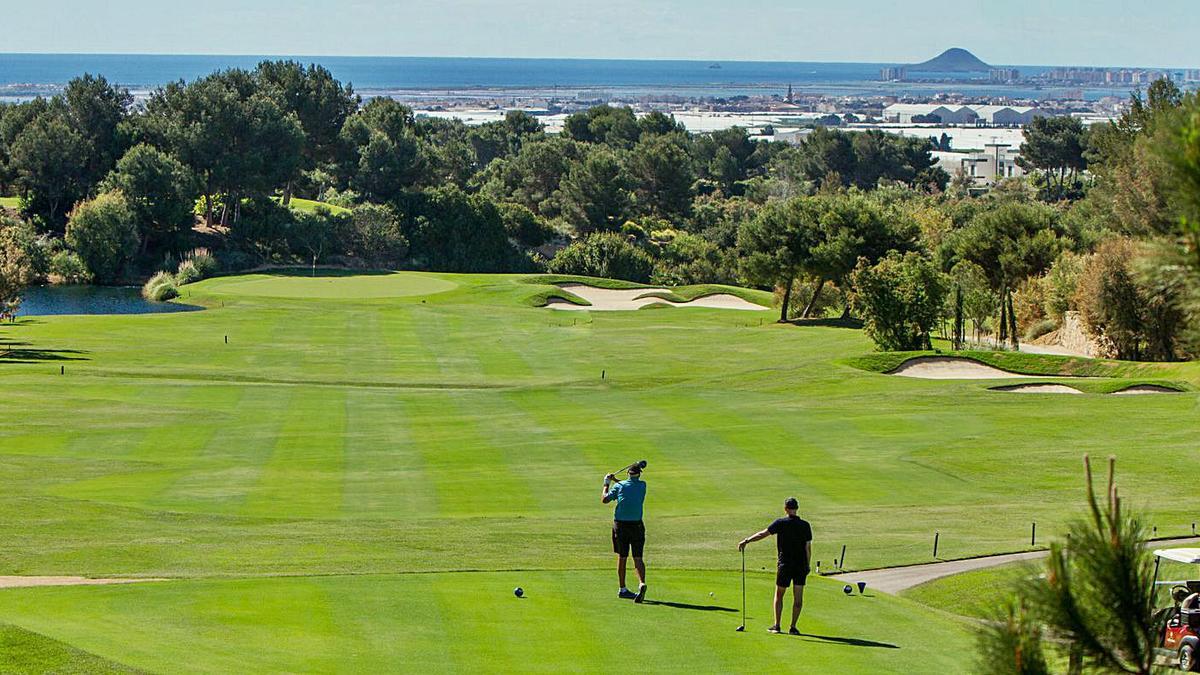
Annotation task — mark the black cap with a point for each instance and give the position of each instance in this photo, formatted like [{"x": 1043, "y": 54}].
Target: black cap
[
  {"x": 636, "y": 469},
  {"x": 791, "y": 503}
]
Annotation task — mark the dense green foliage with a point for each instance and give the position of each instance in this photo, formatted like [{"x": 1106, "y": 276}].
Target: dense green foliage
[
  {"x": 104, "y": 233},
  {"x": 603, "y": 254},
  {"x": 283, "y": 165},
  {"x": 900, "y": 300}
]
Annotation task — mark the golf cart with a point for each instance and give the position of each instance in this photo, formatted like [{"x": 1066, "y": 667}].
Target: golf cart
[{"x": 1179, "y": 641}]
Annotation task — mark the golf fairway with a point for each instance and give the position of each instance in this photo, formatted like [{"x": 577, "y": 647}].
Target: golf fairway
[{"x": 352, "y": 473}]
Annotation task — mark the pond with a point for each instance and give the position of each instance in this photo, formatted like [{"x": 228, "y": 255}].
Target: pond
[{"x": 56, "y": 300}]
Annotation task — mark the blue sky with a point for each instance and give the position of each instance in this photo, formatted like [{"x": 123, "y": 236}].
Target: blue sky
[{"x": 1041, "y": 32}]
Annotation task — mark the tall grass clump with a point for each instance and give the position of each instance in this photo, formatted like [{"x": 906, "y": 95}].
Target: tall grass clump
[
  {"x": 161, "y": 287},
  {"x": 187, "y": 273},
  {"x": 204, "y": 262}
]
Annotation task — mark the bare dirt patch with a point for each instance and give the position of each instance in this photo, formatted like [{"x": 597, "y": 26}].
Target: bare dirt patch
[{"x": 28, "y": 582}]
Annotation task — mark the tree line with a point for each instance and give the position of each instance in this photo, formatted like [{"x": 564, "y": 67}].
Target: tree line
[{"x": 850, "y": 224}]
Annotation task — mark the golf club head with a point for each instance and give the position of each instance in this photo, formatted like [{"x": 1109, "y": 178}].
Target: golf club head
[{"x": 741, "y": 629}]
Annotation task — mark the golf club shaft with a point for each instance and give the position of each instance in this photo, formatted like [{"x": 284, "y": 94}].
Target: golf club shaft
[
  {"x": 743, "y": 586},
  {"x": 625, "y": 468}
]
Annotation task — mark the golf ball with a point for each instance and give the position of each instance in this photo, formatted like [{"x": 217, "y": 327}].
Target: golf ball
[
  {"x": 847, "y": 589},
  {"x": 710, "y": 594},
  {"x": 518, "y": 591}
]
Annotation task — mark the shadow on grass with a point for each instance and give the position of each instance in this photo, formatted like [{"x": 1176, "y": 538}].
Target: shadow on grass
[
  {"x": 321, "y": 272},
  {"x": 853, "y": 324},
  {"x": 22, "y": 352},
  {"x": 683, "y": 605},
  {"x": 851, "y": 642}
]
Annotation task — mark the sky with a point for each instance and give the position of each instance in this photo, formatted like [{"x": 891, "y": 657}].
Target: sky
[{"x": 1008, "y": 32}]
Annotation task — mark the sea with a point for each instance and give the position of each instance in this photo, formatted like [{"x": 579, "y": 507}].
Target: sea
[{"x": 24, "y": 76}]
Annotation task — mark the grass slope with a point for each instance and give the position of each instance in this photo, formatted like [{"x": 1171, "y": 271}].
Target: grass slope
[
  {"x": 25, "y": 652},
  {"x": 392, "y": 424},
  {"x": 10, "y": 203},
  {"x": 311, "y": 206},
  {"x": 980, "y": 594}
]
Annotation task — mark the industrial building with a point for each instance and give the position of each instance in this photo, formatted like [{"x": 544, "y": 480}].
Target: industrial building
[{"x": 990, "y": 115}]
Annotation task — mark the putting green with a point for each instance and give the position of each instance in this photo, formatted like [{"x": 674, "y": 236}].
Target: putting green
[
  {"x": 472, "y": 622},
  {"x": 327, "y": 286}
]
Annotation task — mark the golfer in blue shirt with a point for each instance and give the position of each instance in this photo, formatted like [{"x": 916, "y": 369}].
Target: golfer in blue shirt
[{"x": 628, "y": 532}]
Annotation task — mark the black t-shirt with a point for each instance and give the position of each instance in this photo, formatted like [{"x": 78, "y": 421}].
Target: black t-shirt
[{"x": 791, "y": 534}]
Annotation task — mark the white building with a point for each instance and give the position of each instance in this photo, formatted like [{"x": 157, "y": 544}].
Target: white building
[
  {"x": 995, "y": 162},
  {"x": 904, "y": 113},
  {"x": 1003, "y": 115},
  {"x": 993, "y": 115}
]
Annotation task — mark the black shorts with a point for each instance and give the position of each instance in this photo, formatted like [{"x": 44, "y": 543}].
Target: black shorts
[
  {"x": 791, "y": 573},
  {"x": 628, "y": 534}
]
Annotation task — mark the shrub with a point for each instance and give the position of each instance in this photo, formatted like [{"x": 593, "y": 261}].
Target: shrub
[
  {"x": 900, "y": 300},
  {"x": 66, "y": 267},
  {"x": 160, "y": 288},
  {"x": 204, "y": 262},
  {"x": 603, "y": 254},
  {"x": 524, "y": 226},
  {"x": 1029, "y": 302},
  {"x": 1040, "y": 328},
  {"x": 1137, "y": 315},
  {"x": 187, "y": 273},
  {"x": 103, "y": 232},
  {"x": 376, "y": 237}
]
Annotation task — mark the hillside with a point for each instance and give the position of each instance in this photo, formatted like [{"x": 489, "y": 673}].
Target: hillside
[{"x": 953, "y": 60}]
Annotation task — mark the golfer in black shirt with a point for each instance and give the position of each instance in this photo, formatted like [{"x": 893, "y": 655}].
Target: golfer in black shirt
[{"x": 793, "y": 538}]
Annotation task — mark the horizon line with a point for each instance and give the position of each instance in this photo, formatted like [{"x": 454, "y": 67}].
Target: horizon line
[{"x": 565, "y": 58}]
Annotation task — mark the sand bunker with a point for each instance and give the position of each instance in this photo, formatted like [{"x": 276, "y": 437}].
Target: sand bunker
[
  {"x": 1039, "y": 389},
  {"x": 1141, "y": 389},
  {"x": 27, "y": 582},
  {"x": 613, "y": 300},
  {"x": 949, "y": 368}
]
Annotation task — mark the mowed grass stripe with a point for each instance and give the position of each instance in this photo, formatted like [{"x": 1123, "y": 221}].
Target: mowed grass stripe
[
  {"x": 222, "y": 476},
  {"x": 385, "y": 474},
  {"x": 624, "y": 433},
  {"x": 393, "y": 347},
  {"x": 303, "y": 477},
  {"x": 164, "y": 452},
  {"x": 456, "y": 362},
  {"x": 471, "y": 473}
]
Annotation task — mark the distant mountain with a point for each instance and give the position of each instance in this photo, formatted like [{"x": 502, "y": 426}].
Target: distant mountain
[{"x": 952, "y": 61}]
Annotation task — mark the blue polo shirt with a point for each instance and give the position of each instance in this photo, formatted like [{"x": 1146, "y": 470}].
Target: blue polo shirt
[{"x": 630, "y": 496}]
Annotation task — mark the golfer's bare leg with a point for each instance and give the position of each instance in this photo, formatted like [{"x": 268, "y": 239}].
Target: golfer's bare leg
[
  {"x": 621, "y": 569},
  {"x": 778, "y": 606},
  {"x": 797, "y": 602},
  {"x": 640, "y": 568}
]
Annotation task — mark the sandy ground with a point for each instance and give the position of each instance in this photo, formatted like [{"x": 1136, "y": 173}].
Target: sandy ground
[
  {"x": 26, "y": 582},
  {"x": 610, "y": 300},
  {"x": 1143, "y": 389},
  {"x": 1040, "y": 389},
  {"x": 950, "y": 368}
]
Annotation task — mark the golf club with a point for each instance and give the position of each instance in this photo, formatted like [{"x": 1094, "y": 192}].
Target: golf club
[
  {"x": 639, "y": 464},
  {"x": 742, "y": 628}
]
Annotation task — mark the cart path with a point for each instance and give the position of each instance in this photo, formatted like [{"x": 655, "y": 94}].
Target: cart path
[
  {"x": 896, "y": 579},
  {"x": 28, "y": 582}
]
